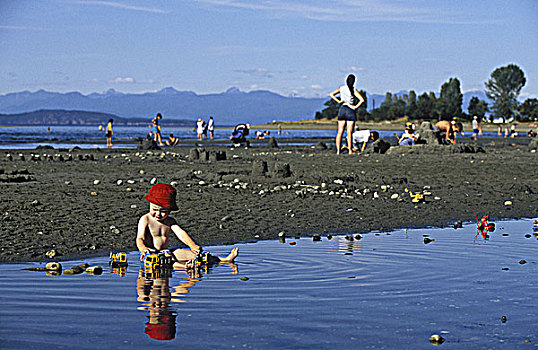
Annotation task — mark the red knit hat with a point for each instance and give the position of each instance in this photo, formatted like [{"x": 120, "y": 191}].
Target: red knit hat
[{"x": 163, "y": 195}]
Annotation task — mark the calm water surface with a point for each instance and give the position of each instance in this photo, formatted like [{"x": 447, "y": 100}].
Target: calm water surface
[{"x": 383, "y": 291}]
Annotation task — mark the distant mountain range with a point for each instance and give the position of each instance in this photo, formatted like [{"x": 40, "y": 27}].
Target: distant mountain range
[
  {"x": 62, "y": 117},
  {"x": 228, "y": 108}
]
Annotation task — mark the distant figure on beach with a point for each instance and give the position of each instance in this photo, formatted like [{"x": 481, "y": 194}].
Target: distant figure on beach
[
  {"x": 109, "y": 133},
  {"x": 259, "y": 135},
  {"x": 449, "y": 129},
  {"x": 506, "y": 132},
  {"x": 211, "y": 127},
  {"x": 239, "y": 135},
  {"x": 154, "y": 228},
  {"x": 408, "y": 138},
  {"x": 156, "y": 129},
  {"x": 360, "y": 138},
  {"x": 279, "y": 128},
  {"x": 499, "y": 130},
  {"x": 350, "y": 99},
  {"x": 172, "y": 140},
  {"x": 476, "y": 129},
  {"x": 513, "y": 131},
  {"x": 200, "y": 129}
]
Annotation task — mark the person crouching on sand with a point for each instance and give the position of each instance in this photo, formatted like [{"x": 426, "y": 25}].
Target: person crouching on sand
[
  {"x": 350, "y": 99},
  {"x": 154, "y": 228}
]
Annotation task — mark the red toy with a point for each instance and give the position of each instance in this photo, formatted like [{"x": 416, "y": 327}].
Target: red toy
[{"x": 483, "y": 227}]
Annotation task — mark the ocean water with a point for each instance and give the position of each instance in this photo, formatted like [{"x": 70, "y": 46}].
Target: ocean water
[
  {"x": 29, "y": 137},
  {"x": 386, "y": 290}
]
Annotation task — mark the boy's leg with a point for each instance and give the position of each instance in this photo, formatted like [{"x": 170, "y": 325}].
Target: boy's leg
[{"x": 183, "y": 255}]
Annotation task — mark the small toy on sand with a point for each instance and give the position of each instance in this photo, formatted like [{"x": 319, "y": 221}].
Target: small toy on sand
[
  {"x": 417, "y": 197},
  {"x": 483, "y": 226}
]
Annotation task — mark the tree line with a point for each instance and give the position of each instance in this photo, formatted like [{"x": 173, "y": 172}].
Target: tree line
[{"x": 502, "y": 88}]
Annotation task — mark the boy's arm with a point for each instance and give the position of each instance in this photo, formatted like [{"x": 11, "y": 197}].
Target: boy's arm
[
  {"x": 185, "y": 238},
  {"x": 141, "y": 235}
]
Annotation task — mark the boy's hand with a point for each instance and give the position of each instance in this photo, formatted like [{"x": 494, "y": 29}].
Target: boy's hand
[{"x": 196, "y": 249}]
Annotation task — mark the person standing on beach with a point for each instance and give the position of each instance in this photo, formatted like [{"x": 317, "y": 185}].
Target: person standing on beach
[
  {"x": 350, "y": 99},
  {"x": 109, "y": 133},
  {"x": 210, "y": 127},
  {"x": 156, "y": 129},
  {"x": 475, "y": 128},
  {"x": 199, "y": 129}
]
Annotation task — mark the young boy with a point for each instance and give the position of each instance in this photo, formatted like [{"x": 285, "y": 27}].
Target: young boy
[{"x": 154, "y": 229}]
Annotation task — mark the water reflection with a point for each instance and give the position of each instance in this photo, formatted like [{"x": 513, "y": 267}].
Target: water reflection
[{"x": 157, "y": 296}]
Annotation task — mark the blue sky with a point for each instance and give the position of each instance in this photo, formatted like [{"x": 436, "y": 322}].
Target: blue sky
[{"x": 300, "y": 47}]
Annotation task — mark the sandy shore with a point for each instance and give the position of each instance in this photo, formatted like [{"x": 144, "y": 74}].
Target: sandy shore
[{"x": 87, "y": 202}]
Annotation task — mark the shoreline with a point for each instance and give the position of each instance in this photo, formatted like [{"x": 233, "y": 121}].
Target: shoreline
[{"x": 89, "y": 204}]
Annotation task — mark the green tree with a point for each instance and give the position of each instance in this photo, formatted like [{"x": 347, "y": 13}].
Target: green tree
[
  {"x": 529, "y": 110},
  {"x": 451, "y": 99},
  {"x": 477, "y": 107},
  {"x": 424, "y": 106},
  {"x": 503, "y": 88},
  {"x": 329, "y": 112},
  {"x": 412, "y": 105}
]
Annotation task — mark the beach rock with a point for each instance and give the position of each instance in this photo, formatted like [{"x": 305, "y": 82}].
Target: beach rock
[
  {"x": 460, "y": 148},
  {"x": 321, "y": 145},
  {"x": 51, "y": 253},
  {"x": 148, "y": 145},
  {"x": 217, "y": 156},
  {"x": 54, "y": 266},
  {"x": 282, "y": 170},
  {"x": 259, "y": 168},
  {"x": 426, "y": 134},
  {"x": 272, "y": 143},
  {"x": 428, "y": 240},
  {"x": 533, "y": 144},
  {"x": 436, "y": 339},
  {"x": 379, "y": 146},
  {"x": 203, "y": 155},
  {"x": 94, "y": 270}
]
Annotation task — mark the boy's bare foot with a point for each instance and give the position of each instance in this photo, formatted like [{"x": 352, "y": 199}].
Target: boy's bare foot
[{"x": 231, "y": 257}]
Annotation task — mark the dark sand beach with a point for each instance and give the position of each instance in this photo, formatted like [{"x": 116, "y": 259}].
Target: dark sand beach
[{"x": 88, "y": 202}]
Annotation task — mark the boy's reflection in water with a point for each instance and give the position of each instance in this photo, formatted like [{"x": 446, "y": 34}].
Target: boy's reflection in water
[{"x": 155, "y": 294}]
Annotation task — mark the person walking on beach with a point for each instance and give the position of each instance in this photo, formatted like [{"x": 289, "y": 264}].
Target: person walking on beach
[
  {"x": 210, "y": 127},
  {"x": 350, "y": 99},
  {"x": 109, "y": 133},
  {"x": 154, "y": 228}
]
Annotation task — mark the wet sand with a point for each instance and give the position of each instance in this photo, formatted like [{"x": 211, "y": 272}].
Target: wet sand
[{"x": 88, "y": 202}]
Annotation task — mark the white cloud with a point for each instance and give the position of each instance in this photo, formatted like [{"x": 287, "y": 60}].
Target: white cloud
[
  {"x": 352, "y": 69},
  {"x": 127, "y": 80},
  {"x": 118, "y": 5},
  {"x": 256, "y": 72},
  {"x": 316, "y": 86},
  {"x": 355, "y": 10}
]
